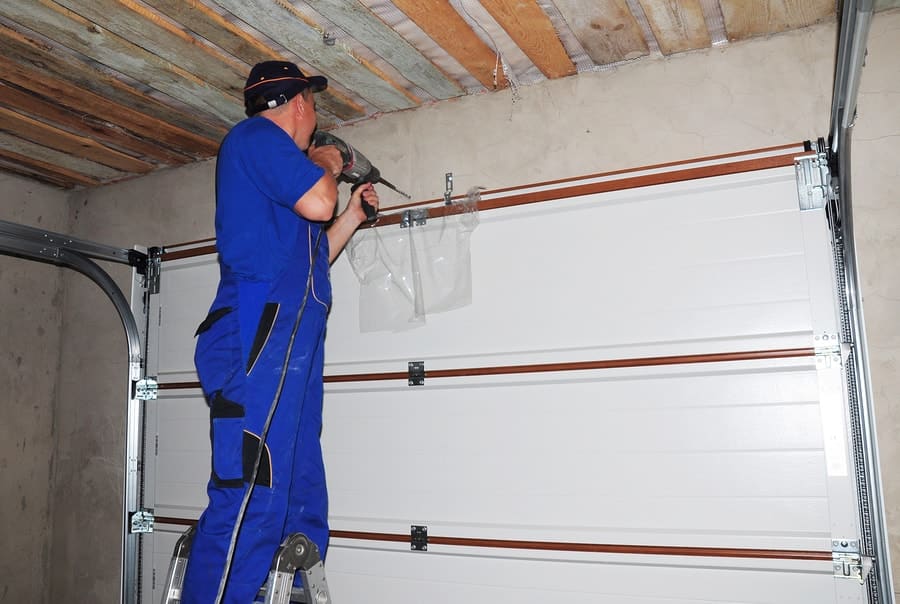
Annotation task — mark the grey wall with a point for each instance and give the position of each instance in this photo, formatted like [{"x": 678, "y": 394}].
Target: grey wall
[
  {"x": 171, "y": 206},
  {"x": 876, "y": 199},
  {"x": 743, "y": 96},
  {"x": 32, "y": 299}
]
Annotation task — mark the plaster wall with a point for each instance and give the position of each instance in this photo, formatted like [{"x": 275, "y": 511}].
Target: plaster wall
[
  {"x": 170, "y": 206},
  {"x": 31, "y": 297},
  {"x": 743, "y": 96},
  {"x": 876, "y": 202}
]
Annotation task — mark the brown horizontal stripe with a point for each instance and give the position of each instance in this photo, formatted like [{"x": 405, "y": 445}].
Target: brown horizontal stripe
[
  {"x": 621, "y": 184},
  {"x": 599, "y": 548},
  {"x": 178, "y": 385},
  {"x": 563, "y": 546},
  {"x": 722, "y": 357},
  {"x": 170, "y": 520},
  {"x": 736, "y": 167},
  {"x": 189, "y": 253},
  {"x": 684, "y": 162}
]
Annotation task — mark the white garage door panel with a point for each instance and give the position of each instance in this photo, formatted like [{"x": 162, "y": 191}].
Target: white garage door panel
[
  {"x": 192, "y": 279},
  {"x": 610, "y": 273},
  {"x": 689, "y": 454},
  {"x": 183, "y": 457},
  {"x": 747, "y": 455},
  {"x": 354, "y": 575}
]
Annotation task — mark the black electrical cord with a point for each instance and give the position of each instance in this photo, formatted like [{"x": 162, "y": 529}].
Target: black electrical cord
[{"x": 265, "y": 431}]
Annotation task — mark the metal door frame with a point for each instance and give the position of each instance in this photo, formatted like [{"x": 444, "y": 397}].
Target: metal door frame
[
  {"x": 62, "y": 250},
  {"x": 853, "y": 32}
]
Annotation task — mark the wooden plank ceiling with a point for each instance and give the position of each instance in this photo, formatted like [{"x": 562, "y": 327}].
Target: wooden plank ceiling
[{"x": 97, "y": 91}]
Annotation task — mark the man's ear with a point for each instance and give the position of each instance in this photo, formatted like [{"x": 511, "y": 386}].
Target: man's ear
[{"x": 301, "y": 106}]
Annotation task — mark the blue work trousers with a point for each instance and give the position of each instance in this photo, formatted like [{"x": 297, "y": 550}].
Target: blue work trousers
[{"x": 240, "y": 376}]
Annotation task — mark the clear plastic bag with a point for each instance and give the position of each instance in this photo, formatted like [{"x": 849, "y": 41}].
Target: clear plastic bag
[{"x": 406, "y": 274}]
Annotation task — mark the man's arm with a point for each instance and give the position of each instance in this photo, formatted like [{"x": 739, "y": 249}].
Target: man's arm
[
  {"x": 348, "y": 221},
  {"x": 318, "y": 202}
]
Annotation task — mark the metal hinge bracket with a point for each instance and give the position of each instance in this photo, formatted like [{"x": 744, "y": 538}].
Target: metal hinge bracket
[
  {"x": 416, "y": 373},
  {"x": 154, "y": 266},
  {"x": 847, "y": 561},
  {"x": 418, "y": 538},
  {"x": 827, "y": 344},
  {"x": 146, "y": 389},
  {"x": 411, "y": 218},
  {"x": 448, "y": 187},
  {"x": 813, "y": 181},
  {"x": 142, "y": 521},
  {"x": 830, "y": 351}
]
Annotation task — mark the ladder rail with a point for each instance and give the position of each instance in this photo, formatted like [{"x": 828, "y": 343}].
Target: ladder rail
[
  {"x": 177, "y": 567},
  {"x": 296, "y": 553}
]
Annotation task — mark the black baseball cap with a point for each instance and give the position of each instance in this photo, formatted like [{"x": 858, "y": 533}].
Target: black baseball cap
[{"x": 274, "y": 83}]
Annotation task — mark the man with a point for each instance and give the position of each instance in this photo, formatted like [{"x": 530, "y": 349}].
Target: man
[{"x": 260, "y": 349}]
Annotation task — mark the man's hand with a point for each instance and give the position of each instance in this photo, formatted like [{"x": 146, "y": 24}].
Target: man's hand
[
  {"x": 365, "y": 192},
  {"x": 345, "y": 225},
  {"x": 328, "y": 158}
]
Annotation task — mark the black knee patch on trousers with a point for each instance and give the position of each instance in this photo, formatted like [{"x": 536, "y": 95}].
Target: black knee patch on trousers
[
  {"x": 251, "y": 450},
  {"x": 226, "y": 426}
]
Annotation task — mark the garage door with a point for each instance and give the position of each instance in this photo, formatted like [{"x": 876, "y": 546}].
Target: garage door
[{"x": 644, "y": 401}]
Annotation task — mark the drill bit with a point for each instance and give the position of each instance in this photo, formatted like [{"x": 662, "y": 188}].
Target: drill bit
[{"x": 390, "y": 186}]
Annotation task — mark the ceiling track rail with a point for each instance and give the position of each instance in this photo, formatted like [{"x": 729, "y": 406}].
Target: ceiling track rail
[
  {"x": 853, "y": 32},
  {"x": 53, "y": 248}
]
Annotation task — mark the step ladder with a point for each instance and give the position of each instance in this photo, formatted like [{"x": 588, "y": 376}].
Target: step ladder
[{"x": 296, "y": 553}]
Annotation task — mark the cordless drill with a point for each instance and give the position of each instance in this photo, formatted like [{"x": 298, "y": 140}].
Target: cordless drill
[{"x": 357, "y": 169}]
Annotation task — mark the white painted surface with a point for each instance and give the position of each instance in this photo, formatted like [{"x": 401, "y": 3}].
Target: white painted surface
[
  {"x": 703, "y": 266},
  {"x": 364, "y": 575},
  {"x": 728, "y": 455}
]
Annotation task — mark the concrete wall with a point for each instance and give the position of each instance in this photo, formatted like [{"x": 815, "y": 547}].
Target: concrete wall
[
  {"x": 743, "y": 96},
  {"x": 168, "y": 207},
  {"x": 876, "y": 199},
  {"x": 31, "y": 297}
]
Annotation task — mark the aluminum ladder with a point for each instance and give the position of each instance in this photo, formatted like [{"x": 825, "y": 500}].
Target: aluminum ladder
[{"x": 296, "y": 553}]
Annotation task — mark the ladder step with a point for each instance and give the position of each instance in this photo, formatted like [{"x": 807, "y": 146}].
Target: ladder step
[
  {"x": 297, "y": 596},
  {"x": 296, "y": 553}
]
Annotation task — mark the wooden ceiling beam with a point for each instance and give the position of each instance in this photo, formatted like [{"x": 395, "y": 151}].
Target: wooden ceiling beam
[
  {"x": 85, "y": 37},
  {"x": 678, "y": 25},
  {"x": 202, "y": 20},
  {"x": 366, "y": 28},
  {"x": 441, "y": 22},
  {"x": 52, "y": 137},
  {"x": 281, "y": 22},
  {"x": 530, "y": 27},
  {"x": 87, "y": 125},
  {"x": 150, "y": 31},
  {"x": 32, "y": 66},
  {"x": 79, "y": 165},
  {"x": 747, "y": 19},
  {"x": 46, "y": 167},
  {"x": 607, "y": 29},
  {"x": 41, "y": 174}
]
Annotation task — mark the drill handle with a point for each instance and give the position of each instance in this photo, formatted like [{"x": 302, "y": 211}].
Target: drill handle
[{"x": 369, "y": 209}]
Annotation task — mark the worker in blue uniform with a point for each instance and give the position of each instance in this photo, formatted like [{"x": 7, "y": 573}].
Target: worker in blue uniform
[{"x": 260, "y": 349}]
